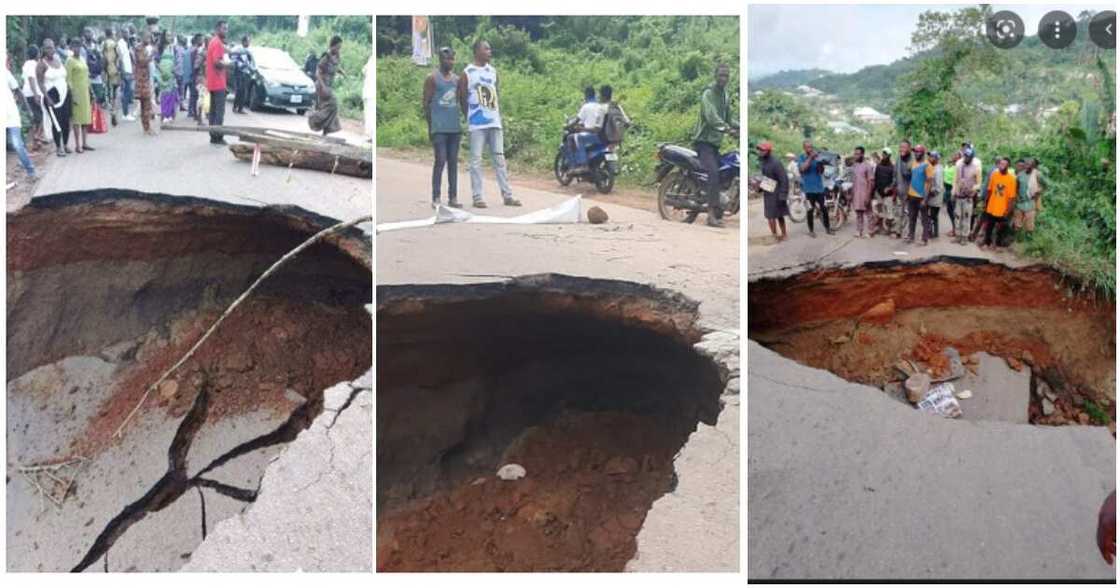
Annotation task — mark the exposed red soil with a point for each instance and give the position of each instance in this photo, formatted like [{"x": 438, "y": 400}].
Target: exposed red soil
[
  {"x": 849, "y": 293},
  {"x": 591, "y": 478},
  {"x": 130, "y": 230},
  {"x": 265, "y": 347}
]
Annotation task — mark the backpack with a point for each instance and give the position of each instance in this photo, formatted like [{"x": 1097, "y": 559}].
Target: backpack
[
  {"x": 95, "y": 63},
  {"x": 614, "y": 124}
]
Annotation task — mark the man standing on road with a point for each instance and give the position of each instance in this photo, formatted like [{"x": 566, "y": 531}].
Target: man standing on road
[
  {"x": 216, "y": 80},
  {"x": 916, "y": 203},
  {"x": 949, "y": 172},
  {"x": 33, "y": 97},
  {"x": 478, "y": 91},
  {"x": 902, "y": 184},
  {"x": 775, "y": 204},
  {"x": 966, "y": 183},
  {"x": 245, "y": 65},
  {"x": 14, "y": 123},
  {"x": 1002, "y": 189},
  {"x": 441, "y": 109},
  {"x": 863, "y": 183},
  {"x": 124, "y": 54},
  {"x": 1023, "y": 217},
  {"x": 884, "y": 189},
  {"x": 197, "y": 62},
  {"x": 715, "y": 112},
  {"x": 813, "y": 185}
]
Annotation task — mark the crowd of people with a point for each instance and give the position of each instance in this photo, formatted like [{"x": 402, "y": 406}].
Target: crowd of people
[
  {"x": 893, "y": 196},
  {"x": 68, "y": 88}
]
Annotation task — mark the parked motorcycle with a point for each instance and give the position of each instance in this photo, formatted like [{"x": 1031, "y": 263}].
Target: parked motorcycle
[
  {"x": 682, "y": 179},
  {"x": 602, "y": 161}
]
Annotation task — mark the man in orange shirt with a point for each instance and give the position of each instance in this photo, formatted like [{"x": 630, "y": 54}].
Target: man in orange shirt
[
  {"x": 1002, "y": 191},
  {"x": 216, "y": 80}
]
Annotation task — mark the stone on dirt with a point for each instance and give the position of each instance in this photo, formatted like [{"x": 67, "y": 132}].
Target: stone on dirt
[
  {"x": 999, "y": 393},
  {"x": 596, "y": 215},
  {"x": 511, "y": 471},
  {"x": 879, "y": 314},
  {"x": 1047, "y": 407},
  {"x": 916, "y": 387}
]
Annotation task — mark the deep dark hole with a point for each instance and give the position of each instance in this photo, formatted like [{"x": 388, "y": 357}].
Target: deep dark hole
[{"x": 460, "y": 379}]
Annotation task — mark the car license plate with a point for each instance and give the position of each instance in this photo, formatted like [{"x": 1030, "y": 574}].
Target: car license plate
[
  {"x": 611, "y": 157},
  {"x": 297, "y": 99}
]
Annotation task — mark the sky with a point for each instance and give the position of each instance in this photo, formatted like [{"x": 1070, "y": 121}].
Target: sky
[{"x": 847, "y": 38}]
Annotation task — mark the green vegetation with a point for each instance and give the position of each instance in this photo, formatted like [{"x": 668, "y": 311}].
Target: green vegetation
[
  {"x": 269, "y": 31},
  {"x": 658, "y": 67},
  {"x": 957, "y": 88}
]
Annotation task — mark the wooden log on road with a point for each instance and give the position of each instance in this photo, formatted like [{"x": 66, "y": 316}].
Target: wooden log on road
[{"x": 305, "y": 158}]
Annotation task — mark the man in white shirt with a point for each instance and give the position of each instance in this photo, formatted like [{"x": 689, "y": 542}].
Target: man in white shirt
[
  {"x": 590, "y": 117},
  {"x": 13, "y": 122},
  {"x": 31, "y": 94},
  {"x": 125, "y": 55}
]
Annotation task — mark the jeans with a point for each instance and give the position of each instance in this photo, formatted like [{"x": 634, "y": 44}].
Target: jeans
[
  {"x": 816, "y": 202},
  {"x": 192, "y": 103},
  {"x": 126, "y": 93},
  {"x": 217, "y": 113},
  {"x": 15, "y": 139},
  {"x": 580, "y": 142},
  {"x": 492, "y": 140},
  {"x": 709, "y": 161},
  {"x": 446, "y": 147},
  {"x": 241, "y": 97},
  {"x": 962, "y": 223},
  {"x": 915, "y": 208}
]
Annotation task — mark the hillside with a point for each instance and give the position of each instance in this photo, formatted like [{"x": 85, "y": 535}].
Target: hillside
[{"x": 1037, "y": 77}]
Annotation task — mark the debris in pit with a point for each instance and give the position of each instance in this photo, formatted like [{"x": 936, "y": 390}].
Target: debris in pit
[
  {"x": 879, "y": 314},
  {"x": 940, "y": 401},
  {"x": 964, "y": 394},
  {"x": 511, "y": 471},
  {"x": 917, "y": 386}
]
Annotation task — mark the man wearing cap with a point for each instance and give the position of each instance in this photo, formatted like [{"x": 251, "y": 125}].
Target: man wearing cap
[
  {"x": 442, "y": 105},
  {"x": 967, "y": 178},
  {"x": 775, "y": 205}
]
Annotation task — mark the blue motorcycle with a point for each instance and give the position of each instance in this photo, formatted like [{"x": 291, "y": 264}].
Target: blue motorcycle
[
  {"x": 681, "y": 195},
  {"x": 602, "y": 161}
]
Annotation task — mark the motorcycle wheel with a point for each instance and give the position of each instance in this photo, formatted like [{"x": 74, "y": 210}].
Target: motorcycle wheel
[
  {"x": 675, "y": 183},
  {"x": 797, "y": 208},
  {"x": 604, "y": 179},
  {"x": 733, "y": 197},
  {"x": 560, "y": 170},
  {"x": 837, "y": 216}
]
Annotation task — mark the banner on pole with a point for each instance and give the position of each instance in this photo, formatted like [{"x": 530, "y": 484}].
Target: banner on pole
[{"x": 421, "y": 40}]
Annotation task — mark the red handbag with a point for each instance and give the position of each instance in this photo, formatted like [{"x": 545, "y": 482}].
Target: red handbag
[{"x": 98, "y": 125}]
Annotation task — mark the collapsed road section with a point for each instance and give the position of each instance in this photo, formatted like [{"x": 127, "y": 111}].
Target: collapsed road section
[
  {"x": 529, "y": 425},
  {"x": 1032, "y": 347},
  {"x": 109, "y": 288},
  {"x": 847, "y": 480}
]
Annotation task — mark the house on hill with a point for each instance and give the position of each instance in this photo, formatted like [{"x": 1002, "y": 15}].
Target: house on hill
[{"x": 870, "y": 115}]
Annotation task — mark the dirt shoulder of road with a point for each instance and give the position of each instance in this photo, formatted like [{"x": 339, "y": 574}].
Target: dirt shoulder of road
[{"x": 20, "y": 194}]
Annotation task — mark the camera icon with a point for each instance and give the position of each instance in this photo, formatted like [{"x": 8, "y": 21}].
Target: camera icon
[{"x": 1004, "y": 29}]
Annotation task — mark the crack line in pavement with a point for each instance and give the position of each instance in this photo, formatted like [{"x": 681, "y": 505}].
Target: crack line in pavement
[
  {"x": 779, "y": 382},
  {"x": 202, "y": 502},
  {"x": 242, "y": 494},
  {"x": 354, "y": 392}
]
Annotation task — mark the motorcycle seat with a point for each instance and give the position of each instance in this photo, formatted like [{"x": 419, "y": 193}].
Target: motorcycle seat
[{"x": 682, "y": 156}]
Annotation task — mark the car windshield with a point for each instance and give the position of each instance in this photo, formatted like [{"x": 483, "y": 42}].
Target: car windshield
[{"x": 270, "y": 58}]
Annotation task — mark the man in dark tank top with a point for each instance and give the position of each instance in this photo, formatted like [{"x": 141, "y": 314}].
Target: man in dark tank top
[{"x": 442, "y": 109}]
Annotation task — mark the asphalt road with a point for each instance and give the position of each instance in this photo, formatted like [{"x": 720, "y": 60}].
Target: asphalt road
[{"x": 183, "y": 163}]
